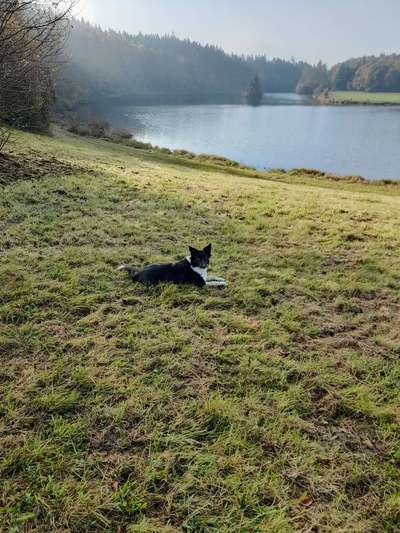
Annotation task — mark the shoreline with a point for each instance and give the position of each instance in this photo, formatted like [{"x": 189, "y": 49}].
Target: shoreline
[
  {"x": 223, "y": 163},
  {"x": 349, "y": 98},
  {"x": 190, "y": 159}
]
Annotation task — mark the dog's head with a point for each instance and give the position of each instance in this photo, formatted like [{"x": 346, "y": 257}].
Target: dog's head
[{"x": 200, "y": 258}]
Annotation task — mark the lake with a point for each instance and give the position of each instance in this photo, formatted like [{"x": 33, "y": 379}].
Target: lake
[{"x": 288, "y": 131}]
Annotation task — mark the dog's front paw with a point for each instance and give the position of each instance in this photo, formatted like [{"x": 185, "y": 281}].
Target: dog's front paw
[{"x": 220, "y": 284}]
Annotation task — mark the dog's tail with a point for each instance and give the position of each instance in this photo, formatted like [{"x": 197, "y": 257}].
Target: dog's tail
[{"x": 131, "y": 270}]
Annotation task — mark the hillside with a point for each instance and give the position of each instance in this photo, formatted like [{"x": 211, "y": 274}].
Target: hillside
[
  {"x": 271, "y": 406},
  {"x": 372, "y": 74},
  {"x": 109, "y": 66}
]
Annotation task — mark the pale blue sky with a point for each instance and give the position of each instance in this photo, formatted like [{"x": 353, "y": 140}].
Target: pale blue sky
[{"x": 332, "y": 30}]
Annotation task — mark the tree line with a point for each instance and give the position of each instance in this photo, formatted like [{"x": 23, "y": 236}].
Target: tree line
[
  {"x": 108, "y": 65},
  {"x": 111, "y": 65},
  {"x": 370, "y": 74}
]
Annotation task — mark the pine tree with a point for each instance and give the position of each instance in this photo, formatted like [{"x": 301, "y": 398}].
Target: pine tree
[{"x": 255, "y": 92}]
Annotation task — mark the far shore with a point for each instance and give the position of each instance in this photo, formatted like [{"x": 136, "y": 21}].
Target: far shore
[{"x": 358, "y": 98}]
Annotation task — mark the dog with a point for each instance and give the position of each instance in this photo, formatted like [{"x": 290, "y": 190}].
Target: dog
[{"x": 193, "y": 270}]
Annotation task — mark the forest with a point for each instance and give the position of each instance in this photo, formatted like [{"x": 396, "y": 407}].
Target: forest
[
  {"x": 372, "y": 74},
  {"x": 369, "y": 74},
  {"x": 109, "y": 65}
]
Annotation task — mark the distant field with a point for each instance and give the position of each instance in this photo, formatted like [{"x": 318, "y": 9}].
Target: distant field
[
  {"x": 271, "y": 406},
  {"x": 359, "y": 97}
]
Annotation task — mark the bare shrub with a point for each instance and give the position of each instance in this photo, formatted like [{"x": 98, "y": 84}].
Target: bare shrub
[
  {"x": 5, "y": 137},
  {"x": 73, "y": 123},
  {"x": 98, "y": 128},
  {"x": 121, "y": 134},
  {"x": 32, "y": 34}
]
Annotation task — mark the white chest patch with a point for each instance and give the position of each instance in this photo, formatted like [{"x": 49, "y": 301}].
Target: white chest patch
[{"x": 202, "y": 272}]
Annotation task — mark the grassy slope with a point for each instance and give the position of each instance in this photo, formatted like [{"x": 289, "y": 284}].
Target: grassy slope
[
  {"x": 358, "y": 97},
  {"x": 270, "y": 406}
]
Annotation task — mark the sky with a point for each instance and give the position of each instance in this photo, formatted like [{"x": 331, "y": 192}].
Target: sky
[{"x": 331, "y": 30}]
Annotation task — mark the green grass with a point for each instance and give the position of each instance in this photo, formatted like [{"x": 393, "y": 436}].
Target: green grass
[
  {"x": 359, "y": 97},
  {"x": 271, "y": 406}
]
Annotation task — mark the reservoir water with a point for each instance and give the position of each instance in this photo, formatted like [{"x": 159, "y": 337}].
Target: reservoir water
[{"x": 286, "y": 132}]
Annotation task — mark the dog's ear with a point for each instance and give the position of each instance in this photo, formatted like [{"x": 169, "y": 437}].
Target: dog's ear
[
  {"x": 193, "y": 251},
  {"x": 207, "y": 249}
]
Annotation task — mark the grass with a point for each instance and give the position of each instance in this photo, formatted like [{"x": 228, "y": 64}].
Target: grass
[
  {"x": 271, "y": 406},
  {"x": 359, "y": 97}
]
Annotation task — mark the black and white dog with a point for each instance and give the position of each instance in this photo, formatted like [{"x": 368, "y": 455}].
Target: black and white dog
[{"x": 192, "y": 270}]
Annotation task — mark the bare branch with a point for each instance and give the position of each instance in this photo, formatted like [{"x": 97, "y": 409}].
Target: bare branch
[
  {"x": 5, "y": 137},
  {"x": 32, "y": 35}
]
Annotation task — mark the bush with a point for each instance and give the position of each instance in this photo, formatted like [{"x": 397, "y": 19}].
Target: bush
[
  {"x": 138, "y": 144},
  {"x": 98, "y": 128},
  {"x": 101, "y": 129},
  {"x": 120, "y": 134},
  {"x": 73, "y": 124},
  {"x": 166, "y": 151},
  {"x": 184, "y": 153},
  {"x": 84, "y": 131}
]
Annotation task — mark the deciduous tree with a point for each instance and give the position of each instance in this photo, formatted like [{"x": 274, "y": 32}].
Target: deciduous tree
[{"x": 31, "y": 36}]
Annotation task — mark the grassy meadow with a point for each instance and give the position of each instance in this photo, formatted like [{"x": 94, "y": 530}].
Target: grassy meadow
[
  {"x": 270, "y": 406},
  {"x": 360, "y": 97}
]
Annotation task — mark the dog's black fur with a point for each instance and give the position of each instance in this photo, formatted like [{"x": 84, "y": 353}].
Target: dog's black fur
[{"x": 181, "y": 273}]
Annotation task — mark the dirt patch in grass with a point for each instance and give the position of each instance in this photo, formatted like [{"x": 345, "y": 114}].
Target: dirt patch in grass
[{"x": 32, "y": 166}]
